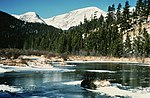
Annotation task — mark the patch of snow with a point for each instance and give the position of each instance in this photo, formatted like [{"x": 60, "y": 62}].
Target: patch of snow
[
  {"x": 27, "y": 68},
  {"x": 2, "y": 70},
  {"x": 64, "y": 64},
  {"x": 34, "y": 68},
  {"x": 131, "y": 9},
  {"x": 115, "y": 91},
  {"x": 73, "y": 83},
  {"x": 39, "y": 65},
  {"x": 4, "y": 87}
]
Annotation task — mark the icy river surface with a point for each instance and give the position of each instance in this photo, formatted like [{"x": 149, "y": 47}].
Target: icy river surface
[{"x": 128, "y": 80}]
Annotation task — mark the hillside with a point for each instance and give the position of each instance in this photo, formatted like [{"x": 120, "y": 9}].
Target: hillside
[
  {"x": 134, "y": 32},
  {"x": 15, "y": 32}
]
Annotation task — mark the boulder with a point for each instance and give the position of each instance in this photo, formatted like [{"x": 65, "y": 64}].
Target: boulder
[{"x": 94, "y": 84}]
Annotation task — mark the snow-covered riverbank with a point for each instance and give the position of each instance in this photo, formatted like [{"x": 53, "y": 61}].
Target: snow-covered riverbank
[
  {"x": 115, "y": 90},
  {"x": 46, "y": 61},
  {"x": 103, "y": 59},
  {"x": 8, "y": 88},
  {"x": 2, "y": 70},
  {"x": 42, "y": 63},
  {"x": 6, "y": 68}
]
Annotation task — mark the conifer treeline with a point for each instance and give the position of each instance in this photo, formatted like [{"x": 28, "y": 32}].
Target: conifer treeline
[{"x": 19, "y": 34}]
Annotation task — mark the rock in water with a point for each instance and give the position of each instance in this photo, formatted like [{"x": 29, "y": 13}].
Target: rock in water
[{"x": 94, "y": 84}]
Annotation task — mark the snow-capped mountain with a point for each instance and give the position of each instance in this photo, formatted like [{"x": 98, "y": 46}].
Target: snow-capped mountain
[
  {"x": 64, "y": 21},
  {"x": 73, "y": 18},
  {"x": 30, "y": 17},
  {"x": 67, "y": 20}
]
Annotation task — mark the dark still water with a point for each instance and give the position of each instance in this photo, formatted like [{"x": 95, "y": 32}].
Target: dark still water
[{"x": 65, "y": 82}]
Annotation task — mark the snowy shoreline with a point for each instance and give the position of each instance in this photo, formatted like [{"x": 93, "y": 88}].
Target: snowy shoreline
[
  {"x": 43, "y": 63},
  {"x": 51, "y": 67},
  {"x": 24, "y": 60},
  {"x": 105, "y": 59},
  {"x": 115, "y": 92},
  {"x": 4, "y": 87},
  {"x": 112, "y": 91}
]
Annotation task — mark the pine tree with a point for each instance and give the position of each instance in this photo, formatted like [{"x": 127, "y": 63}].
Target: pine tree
[
  {"x": 140, "y": 10},
  {"x": 127, "y": 46},
  {"x": 100, "y": 22},
  {"x": 139, "y": 7},
  {"x": 146, "y": 45},
  {"x": 146, "y": 10},
  {"x": 119, "y": 14},
  {"x": 138, "y": 46},
  {"x": 110, "y": 15},
  {"x": 126, "y": 21},
  {"x": 62, "y": 44}
]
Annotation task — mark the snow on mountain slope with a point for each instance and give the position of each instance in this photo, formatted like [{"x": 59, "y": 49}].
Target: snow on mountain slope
[
  {"x": 67, "y": 20},
  {"x": 73, "y": 18},
  {"x": 30, "y": 17}
]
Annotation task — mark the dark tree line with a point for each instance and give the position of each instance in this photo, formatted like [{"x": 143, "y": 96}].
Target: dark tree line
[{"x": 15, "y": 33}]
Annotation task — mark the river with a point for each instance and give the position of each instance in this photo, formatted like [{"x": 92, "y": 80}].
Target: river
[{"x": 65, "y": 82}]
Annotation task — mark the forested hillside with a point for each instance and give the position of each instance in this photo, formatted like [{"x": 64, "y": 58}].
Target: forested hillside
[
  {"x": 103, "y": 36},
  {"x": 110, "y": 35},
  {"x": 15, "y": 33}
]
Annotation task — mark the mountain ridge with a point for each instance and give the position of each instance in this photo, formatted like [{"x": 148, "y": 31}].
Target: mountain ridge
[
  {"x": 74, "y": 18},
  {"x": 30, "y": 17},
  {"x": 63, "y": 21}
]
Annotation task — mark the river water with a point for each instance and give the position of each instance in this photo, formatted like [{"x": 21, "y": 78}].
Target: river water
[{"x": 65, "y": 82}]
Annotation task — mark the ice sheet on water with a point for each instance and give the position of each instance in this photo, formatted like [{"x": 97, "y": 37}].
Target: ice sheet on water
[
  {"x": 81, "y": 61},
  {"x": 18, "y": 68},
  {"x": 27, "y": 68},
  {"x": 101, "y": 71},
  {"x": 67, "y": 65},
  {"x": 73, "y": 82},
  {"x": 67, "y": 70}
]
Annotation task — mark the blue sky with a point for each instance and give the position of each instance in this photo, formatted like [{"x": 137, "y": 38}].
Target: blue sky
[{"x": 49, "y": 8}]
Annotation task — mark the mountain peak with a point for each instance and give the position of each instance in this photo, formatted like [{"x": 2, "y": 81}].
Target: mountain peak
[
  {"x": 74, "y": 18},
  {"x": 30, "y": 14},
  {"x": 88, "y": 8},
  {"x": 30, "y": 17}
]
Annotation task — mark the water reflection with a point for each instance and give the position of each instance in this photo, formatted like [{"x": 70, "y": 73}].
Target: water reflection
[{"x": 128, "y": 75}]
